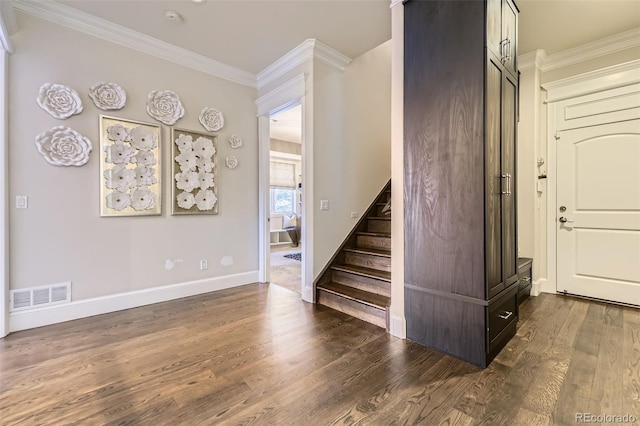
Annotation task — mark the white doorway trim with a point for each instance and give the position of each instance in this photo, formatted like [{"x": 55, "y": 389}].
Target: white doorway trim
[
  {"x": 557, "y": 93},
  {"x": 286, "y": 96},
  {"x": 4, "y": 196}
]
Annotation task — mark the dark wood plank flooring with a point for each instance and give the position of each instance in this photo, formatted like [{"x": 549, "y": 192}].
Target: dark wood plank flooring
[{"x": 258, "y": 355}]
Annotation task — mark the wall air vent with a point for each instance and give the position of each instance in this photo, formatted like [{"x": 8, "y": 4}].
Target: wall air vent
[{"x": 36, "y": 297}]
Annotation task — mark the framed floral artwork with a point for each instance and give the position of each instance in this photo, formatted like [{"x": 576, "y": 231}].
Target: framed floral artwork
[
  {"x": 194, "y": 172},
  {"x": 130, "y": 160}
]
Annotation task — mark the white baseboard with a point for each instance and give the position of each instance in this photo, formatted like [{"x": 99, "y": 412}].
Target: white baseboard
[
  {"x": 23, "y": 320},
  {"x": 398, "y": 327},
  {"x": 542, "y": 286},
  {"x": 536, "y": 288}
]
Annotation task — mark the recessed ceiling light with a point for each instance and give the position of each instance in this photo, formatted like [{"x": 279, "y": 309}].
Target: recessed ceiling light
[
  {"x": 172, "y": 16},
  {"x": 198, "y": 1}
]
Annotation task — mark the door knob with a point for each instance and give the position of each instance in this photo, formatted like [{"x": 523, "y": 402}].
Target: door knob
[{"x": 564, "y": 220}]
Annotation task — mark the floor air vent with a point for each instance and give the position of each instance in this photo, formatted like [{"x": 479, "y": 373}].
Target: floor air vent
[{"x": 35, "y": 297}]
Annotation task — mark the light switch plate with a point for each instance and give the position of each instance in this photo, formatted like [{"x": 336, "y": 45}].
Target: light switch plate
[
  {"x": 324, "y": 204},
  {"x": 22, "y": 201}
]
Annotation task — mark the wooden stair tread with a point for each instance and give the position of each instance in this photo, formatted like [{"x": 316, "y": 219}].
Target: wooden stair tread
[
  {"x": 375, "y": 234},
  {"x": 372, "y": 251},
  {"x": 361, "y": 296},
  {"x": 366, "y": 272},
  {"x": 357, "y": 281}
]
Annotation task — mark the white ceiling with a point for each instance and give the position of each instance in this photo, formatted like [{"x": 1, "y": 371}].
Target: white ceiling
[
  {"x": 250, "y": 35},
  {"x": 557, "y": 25}
]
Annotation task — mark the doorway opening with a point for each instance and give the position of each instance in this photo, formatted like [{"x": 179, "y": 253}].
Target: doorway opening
[{"x": 285, "y": 198}]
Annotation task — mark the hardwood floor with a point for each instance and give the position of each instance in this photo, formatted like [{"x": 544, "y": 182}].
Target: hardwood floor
[
  {"x": 258, "y": 355},
  {"x": 286, "y": 272}
]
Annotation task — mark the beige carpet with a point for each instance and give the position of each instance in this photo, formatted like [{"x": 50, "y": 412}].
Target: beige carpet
[{"x": 286, "y": 272}]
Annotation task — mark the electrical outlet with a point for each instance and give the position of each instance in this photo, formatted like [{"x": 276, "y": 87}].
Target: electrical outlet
[
  {"x": 324, "y": 204},
  {"x": 204, "y": 264},
  {"x": 354, "y": 215}
]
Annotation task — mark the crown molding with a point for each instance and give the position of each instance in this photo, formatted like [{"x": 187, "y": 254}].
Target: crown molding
[
  {"x": 295, "y": 57},
  {"x": 281, "y": 95},
  {"x": 307, "y": 50},
  {"x": 531, "y": 59},
  {"x": 7, "y": 25},
  {"x": 603, "y": 79},
  {"x": 584, "y": 52},
  {"x": 106, "y": 30},
  {"x": 330, "y": 56}
]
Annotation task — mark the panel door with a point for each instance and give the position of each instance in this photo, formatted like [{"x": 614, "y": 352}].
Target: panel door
[
  {"x": 598, "y": 217},
  {"x": 510, "y": 36},
  {"x": 493, "y": 176},
  {"x": 508, "y": 152},
  {"x": 494, "y": 26}
]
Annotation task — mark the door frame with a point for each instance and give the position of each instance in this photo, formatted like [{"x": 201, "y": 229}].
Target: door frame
[
  {"x": 290, "y": 94},
  {"x": 4, "y": 195},
  {"x": 560, "y": 95}
]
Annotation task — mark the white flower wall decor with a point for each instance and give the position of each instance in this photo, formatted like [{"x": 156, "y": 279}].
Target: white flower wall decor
[
  {"x": 235, "y": 141},
  {"x": 108, "y": 96},
  {"x": 211, "y": 119},
  {"x": 63, "y": 146},
  {"x": 129, "y": 168},
  {"x": 231, "y": 162},
  {"x": 165, "y": 106},
  {"x": 195, "y": 181},
  {"x": 59, "y": 101}
]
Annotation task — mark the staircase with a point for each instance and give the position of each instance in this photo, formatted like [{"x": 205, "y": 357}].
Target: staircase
[{"x": 357, "y": 281}]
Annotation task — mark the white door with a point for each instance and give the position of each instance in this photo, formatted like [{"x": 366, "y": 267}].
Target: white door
[{"x": 598, "y": 212}]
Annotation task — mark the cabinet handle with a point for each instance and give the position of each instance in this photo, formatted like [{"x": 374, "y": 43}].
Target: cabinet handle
[
  {"x": 526, "y": 279},
  {"x": 507, "y": 54},
  {"x": 507, "y": 316},
  {"x": 506, "y": 176}
]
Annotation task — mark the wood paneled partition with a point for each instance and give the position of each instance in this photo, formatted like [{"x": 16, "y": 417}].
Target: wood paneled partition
[{"x": 459, "y": 150}]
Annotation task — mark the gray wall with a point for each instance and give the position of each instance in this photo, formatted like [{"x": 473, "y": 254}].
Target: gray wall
[{"x": 61, "y": 237}]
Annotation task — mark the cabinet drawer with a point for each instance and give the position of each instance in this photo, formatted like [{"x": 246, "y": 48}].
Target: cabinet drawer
[
  {"x": 524, "y": 281},
  {"x": 501, "y": 313},
  {"x": 524, "y": 278},
  {"x": 523, "y": 294}
]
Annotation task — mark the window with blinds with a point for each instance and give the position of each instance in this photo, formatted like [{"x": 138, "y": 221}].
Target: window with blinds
[
  {"x": 283, "y": 175},
  {"x": 283, "y": 187}
]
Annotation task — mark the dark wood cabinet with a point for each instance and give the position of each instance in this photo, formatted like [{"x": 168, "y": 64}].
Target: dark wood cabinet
[
  {"x": 460, "y": 178},
  {"x": 510, "y": 34},
  {"x": 500, "y": 174},
  {"x": 525, "y": 266},
  {"x": 502, "y": 32}
]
